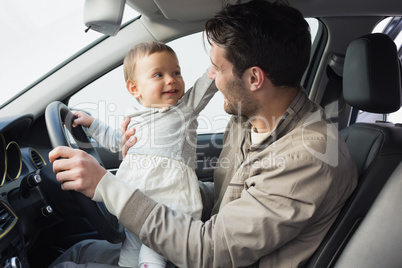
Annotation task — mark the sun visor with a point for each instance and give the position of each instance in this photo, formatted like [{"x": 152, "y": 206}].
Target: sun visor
[
  {"x": 184, "y": 10},
  {"x": 104, "y": 16}
]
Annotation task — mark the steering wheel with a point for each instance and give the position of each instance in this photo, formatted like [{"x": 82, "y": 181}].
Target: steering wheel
[{"x": 58, "y": 116}]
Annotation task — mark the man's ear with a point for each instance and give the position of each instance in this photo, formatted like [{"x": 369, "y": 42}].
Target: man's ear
[
  {"x": 256, "y": 77},
  {"x": 132, "y": 89}
]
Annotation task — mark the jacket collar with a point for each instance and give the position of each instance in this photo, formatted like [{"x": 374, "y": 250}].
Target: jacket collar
[{"x": 289, "y": 119}]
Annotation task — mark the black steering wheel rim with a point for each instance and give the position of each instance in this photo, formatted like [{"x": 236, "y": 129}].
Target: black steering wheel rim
[{"x": 57, "y": 116}]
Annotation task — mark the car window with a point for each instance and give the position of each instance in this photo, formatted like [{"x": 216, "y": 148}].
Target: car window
[
  {"x": 108, "y": 99},
  {"x": 391, "y": 26},
  {"x": 43, "y": 34}
]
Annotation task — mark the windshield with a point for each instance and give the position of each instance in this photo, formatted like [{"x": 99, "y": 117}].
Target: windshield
[{"x": 39, "y": 35}]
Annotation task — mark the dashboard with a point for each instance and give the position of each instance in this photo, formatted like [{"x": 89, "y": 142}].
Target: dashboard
[
  {"x": 16, "y": 162},
  {"x": 22, "y": 206},
  {"x": 38, "y": 220}
]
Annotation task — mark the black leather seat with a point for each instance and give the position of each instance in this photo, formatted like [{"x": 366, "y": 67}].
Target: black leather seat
[
  {"x": 372, "y": 83},
  {"x": 378, "y": 241}
]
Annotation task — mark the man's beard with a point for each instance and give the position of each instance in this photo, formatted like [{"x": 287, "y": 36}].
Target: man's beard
[{"x": 238, "y": 101}]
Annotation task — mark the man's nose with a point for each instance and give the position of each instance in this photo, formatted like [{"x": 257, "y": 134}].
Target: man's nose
[{"x": 211, "y": 73}]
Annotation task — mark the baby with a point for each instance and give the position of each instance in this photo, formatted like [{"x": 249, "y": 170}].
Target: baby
[{"x": 161, "y": 164}]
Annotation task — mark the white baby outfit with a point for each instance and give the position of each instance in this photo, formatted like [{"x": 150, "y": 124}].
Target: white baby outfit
[{"x": 161, "y": 164}]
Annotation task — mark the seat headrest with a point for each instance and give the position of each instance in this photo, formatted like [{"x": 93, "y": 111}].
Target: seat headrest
[{"x": 371, "y": 74}]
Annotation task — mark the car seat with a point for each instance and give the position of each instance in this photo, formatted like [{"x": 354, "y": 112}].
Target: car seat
[
  {"x": 372, "y": 83},
  {"x": 378, "y": 240}
]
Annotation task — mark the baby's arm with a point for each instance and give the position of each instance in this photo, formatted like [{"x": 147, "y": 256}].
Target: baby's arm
[
  {"x": 201, "y": 93},
  {"x": 103, "y": 134},
  {"x": 82, "y": 119}
]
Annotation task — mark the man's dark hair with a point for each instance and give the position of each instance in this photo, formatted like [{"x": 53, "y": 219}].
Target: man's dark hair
[{"x": 272, "y": 36}]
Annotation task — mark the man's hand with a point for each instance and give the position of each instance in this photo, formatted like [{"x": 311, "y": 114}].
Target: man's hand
[
  {"x": 128, "y": 139},
  {"x": 76, "y": 170}
]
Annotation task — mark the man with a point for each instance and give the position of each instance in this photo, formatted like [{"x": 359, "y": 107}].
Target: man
[{"x": 283, "y": 174}]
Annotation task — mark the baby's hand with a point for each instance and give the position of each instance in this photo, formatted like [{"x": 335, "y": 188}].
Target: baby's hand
[{"x": 82, "y": 119}]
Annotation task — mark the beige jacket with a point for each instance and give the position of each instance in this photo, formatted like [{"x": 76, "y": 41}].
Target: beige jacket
[{"x": 274, "y": 202}]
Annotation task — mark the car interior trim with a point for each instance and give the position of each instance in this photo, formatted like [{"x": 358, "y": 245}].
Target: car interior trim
[
  {"x": 4, "y": 210},
  {"x": 3, "y": 160},
  {"x": 34, "y": 154},
  {"x": 13, "y": 152}
]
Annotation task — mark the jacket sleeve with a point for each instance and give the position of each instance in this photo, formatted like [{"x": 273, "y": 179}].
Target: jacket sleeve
[
  {"x": 115, "y": 193},
  {"x": 105, "y": 135},
  {"x": 244, "y": 230}
]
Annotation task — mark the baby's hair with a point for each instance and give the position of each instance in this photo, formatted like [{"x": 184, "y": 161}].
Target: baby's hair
[{"x": 141, "y": 50}]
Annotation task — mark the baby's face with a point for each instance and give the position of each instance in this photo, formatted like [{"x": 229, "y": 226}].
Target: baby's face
[{"x": 158, "y": 80}]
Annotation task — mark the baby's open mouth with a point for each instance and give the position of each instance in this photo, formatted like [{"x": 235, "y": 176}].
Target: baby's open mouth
[{"x": 170, "y": 91}]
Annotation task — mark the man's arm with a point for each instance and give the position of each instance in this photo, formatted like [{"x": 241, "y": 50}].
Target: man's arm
[
  {"x": 244, "y": 230},
  {"x": 262, "y": 220}
]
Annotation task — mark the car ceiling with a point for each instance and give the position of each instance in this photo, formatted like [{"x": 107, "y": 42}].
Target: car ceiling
[
  {"x": 337, "y": 15},
  {"x": 194, "y": 10}
]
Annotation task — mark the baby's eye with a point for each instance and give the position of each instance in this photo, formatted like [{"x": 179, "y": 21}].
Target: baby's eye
[
  {"x": 176, "y": 73},
  {"x": 158, "y": 75}
]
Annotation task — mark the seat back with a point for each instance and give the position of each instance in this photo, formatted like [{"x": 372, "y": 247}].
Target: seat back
[
  {"x": 378, "y": 241},
  {"x": 372, "y": 83}
]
